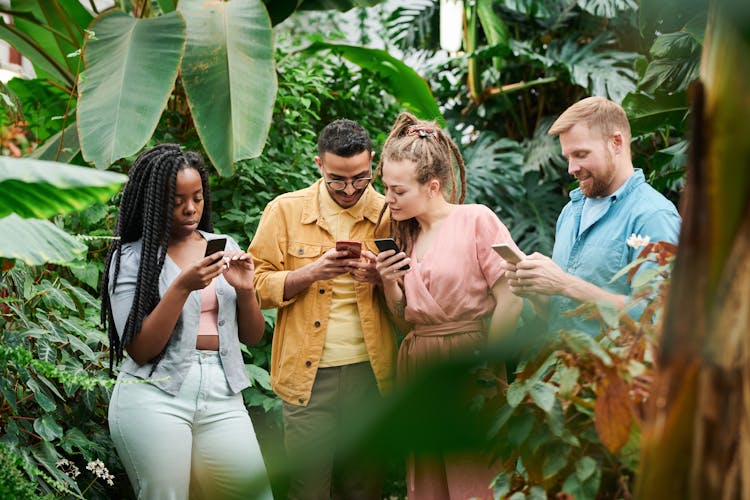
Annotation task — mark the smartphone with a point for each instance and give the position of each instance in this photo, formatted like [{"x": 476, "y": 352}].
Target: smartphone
[
  {"x": 353, "y": 247},
  {"x": 215, "y": 245},
  {"x": 508, "y": 253},
  {"x": 384, "y": 244}
]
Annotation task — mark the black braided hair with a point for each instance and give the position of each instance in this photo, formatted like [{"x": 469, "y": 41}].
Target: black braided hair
[
  {"x": 431, "y": 150},
  {"x": 146, "y": 198}
]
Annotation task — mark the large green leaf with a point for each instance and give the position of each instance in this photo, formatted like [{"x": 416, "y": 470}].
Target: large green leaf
[
  {"x": 229, "y": 77},
  {"x": 62, "y": 146},
  {"x": 43, "y": 62},
  {"x": 37, "y": 241},
  {"x": 401, "y": 81},
  {"x": 131, "y": 70},
  {"x": 495, "y": 30},
  {"x": 676, "y": 63},
  {"x": 59, "y": 29},
  {"x": 649, "y": 114},
  {"x": 35, "y": 188}
]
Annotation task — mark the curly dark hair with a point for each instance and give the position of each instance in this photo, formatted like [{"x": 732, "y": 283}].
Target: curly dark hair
[
  {"x": 146, "y": 198},
  {"x": 344, "y": 138}
]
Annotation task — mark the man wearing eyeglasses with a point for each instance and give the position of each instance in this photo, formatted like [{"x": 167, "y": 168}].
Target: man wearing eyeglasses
[{"x": 333, "y": 348}]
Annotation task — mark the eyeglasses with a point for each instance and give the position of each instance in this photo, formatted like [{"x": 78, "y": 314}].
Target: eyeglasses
[{"x": 358, "y": 184}]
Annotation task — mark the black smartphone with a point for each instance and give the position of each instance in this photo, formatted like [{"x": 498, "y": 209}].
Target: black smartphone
[
  {"x": 215, "y": 245},
  {"x": 384, "y": 244}
]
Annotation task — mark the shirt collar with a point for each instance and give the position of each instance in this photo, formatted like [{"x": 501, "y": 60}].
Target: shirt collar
[{"x": 368, "y": 206}]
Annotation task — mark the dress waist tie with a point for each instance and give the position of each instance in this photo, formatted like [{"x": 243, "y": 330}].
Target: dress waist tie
[{"x": 447, "y": 328}]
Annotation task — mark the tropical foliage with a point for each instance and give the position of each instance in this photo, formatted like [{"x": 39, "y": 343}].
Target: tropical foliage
[{"x": 113, "y": 83}]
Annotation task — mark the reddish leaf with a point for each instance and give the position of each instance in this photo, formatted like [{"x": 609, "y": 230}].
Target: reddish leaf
[{"x": 613, "y": 414}]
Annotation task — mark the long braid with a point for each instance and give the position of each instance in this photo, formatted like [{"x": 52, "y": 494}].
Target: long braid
[
  {"x": 431, "y": 150},
  {"x": 146, "y": 198}
]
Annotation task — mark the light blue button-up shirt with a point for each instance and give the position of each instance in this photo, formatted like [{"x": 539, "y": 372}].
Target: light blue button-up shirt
[
  {"x": 172, "y": 368},
  {"x": 601, "y": 250}
]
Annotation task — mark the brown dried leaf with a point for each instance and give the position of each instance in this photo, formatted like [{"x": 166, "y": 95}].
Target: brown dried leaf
[{"x": 613, "y": 415}]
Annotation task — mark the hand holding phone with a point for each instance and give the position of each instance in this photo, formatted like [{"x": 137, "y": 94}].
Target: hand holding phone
[
  {"x": 354, "y": 248},
  {"x": 384, "y": 244},
  {"x": 214, "y": 246},
  {"x": 508, "y": 253}
]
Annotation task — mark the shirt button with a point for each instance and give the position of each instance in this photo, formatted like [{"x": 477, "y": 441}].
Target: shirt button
[
  {"x": 308, "y": 363},
  {"x": 219, "y": 291},
  {"x": 221, "y": 322},
  {"x": 223, "y": 352},
  {"x": 301, "y": 400},
  {"x": 300, "y": 251},
  {"x": 317, "y": 324},
  {"x": 322, "y": 291}
]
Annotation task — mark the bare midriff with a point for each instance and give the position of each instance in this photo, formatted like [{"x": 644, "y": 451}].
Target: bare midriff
[{"x": 207, "y": 343}]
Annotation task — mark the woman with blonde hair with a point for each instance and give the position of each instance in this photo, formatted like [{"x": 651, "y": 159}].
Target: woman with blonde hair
[{"x": 454, "y": 287}]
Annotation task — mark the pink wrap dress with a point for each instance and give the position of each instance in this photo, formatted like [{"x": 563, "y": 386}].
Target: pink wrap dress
[{"x": 449, "y": 300}]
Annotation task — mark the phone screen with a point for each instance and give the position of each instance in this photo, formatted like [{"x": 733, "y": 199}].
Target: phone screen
[
  {"x": 384, "y": 244},
  {"x": 216, "y": 245}
]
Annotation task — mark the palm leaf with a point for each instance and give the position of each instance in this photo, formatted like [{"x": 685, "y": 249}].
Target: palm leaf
[
  {"x": 35, "y": 188},
  {"x": 37, "y": 241}
]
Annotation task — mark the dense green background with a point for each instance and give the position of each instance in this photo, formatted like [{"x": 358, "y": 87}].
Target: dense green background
[{"x": 524, "y": 62}]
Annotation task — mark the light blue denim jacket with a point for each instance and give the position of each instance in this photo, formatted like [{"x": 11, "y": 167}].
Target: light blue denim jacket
[
  {"x": 171, "y": 370},
  {"x": 600, "y": 251}
]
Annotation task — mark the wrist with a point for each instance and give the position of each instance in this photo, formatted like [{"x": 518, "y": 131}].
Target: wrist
[{"x": 245, "y": 291}]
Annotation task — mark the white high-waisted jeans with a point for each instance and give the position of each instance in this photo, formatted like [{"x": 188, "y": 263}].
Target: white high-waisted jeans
[{"x": 197, "y": 444}]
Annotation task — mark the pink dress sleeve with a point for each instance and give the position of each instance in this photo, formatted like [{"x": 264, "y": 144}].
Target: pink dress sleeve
[{"x": 489, "y": 231}]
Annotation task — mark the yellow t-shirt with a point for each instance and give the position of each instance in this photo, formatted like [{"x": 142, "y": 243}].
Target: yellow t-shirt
[{"x": 345, "y": 343}]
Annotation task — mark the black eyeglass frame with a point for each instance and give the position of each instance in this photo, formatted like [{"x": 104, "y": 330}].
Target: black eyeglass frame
[{"x": 332, "y": 184}]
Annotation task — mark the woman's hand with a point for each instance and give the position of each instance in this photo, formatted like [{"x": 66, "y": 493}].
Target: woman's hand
[
  {"x": 239, "y": 270},
  {"x": 199, "y": 274},
  {"x": 389, "y": 264}
]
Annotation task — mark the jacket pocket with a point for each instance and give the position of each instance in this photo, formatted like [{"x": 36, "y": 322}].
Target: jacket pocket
[{"x": 301, "y": 254}]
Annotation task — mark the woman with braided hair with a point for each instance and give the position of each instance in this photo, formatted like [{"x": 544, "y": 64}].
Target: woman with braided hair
[
  {"x": 180, "y": 425},
  {"x": 453, "y": 289}
]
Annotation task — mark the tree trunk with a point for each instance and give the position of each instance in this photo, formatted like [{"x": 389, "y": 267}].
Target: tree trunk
[{"x": 696, "y": 440}]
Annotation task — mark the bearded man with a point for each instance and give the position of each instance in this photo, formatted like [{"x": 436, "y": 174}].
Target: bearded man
[{"x": 613, "y": 204}]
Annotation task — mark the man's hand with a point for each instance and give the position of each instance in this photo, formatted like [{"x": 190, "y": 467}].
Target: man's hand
[
  {"x": 536, "y": 274},
  {"x": 331, "y": 264},
  {"x": 365, "y": 270}
]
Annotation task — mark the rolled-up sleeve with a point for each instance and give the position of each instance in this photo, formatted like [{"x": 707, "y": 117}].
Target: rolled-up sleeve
[{"x": 268, "y": 249}]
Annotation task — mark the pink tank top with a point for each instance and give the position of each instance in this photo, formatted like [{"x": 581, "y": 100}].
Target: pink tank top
[{"x": 208, "y": 324}]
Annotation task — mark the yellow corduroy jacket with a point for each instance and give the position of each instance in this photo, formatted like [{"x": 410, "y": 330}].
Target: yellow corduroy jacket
[{"x": 293, "y": 233}]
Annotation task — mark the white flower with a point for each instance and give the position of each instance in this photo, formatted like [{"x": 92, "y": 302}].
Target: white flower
[
  {"x": 100, "y": 470},
  {"x": 68, "y": 467},
  {"x": 637, "y": 241}
]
